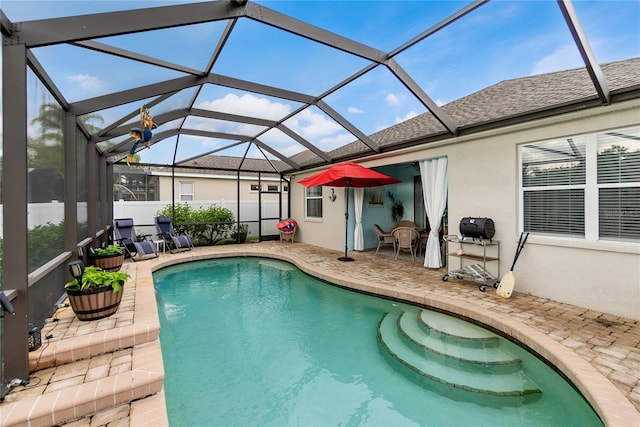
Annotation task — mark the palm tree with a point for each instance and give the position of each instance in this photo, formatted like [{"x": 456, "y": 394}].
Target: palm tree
[{"x": 45, "y": 150}]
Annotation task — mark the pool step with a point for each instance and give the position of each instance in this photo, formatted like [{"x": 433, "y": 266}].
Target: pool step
[
  {"x": 457, "y": 330},
  {"x": 434, "y": 344},
  {"x": 436, "y": 368}
]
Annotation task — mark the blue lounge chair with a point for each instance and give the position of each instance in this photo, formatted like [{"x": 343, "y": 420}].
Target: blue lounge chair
[
  {"x": 175, "y": 242},
  {"x": 125, "y": 233}
]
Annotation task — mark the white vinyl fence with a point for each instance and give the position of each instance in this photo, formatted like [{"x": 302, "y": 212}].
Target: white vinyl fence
[{"x": 144, "y": 213}]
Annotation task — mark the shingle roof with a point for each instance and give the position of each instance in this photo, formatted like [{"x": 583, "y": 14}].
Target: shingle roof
[
  {"x": 515, "y": 97},
  {"x": 505, "y": 100},
  {"x": 225, "y": 165}
]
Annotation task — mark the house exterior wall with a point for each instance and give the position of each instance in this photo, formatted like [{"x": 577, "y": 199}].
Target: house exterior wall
[
  {"x": 222, "y": 191},
  {"x": 328, "y": 232},
  {"x": 212, "y": 188},
  {"x": 483, "y": 182},
  {"x": 316, "y": 231}
]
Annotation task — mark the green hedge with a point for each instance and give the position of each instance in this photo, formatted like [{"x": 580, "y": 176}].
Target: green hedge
[
  {"x": 45, "y": 242},
  {"x": 205, "y": 226}
]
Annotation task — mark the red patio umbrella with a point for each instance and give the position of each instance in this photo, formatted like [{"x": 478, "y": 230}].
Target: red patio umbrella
[{"x": 348, "y": 174}]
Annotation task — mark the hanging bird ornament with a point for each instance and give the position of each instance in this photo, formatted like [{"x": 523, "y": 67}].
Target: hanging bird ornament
[{"x": 143, "y": 134}]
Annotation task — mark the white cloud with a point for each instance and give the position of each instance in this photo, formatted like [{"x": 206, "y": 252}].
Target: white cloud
[
  {"x": 392, "y": 99},
  {"x": 312, "y": 125},
  {"x": 248, "y": 105},
  {"x": 354, "y": 110},
  {"x": 439, "y": 102},
  {"x": 211, "y": 125},
  {"x": 328, "y": 144},
  {"x": 564, "y": 58},
  {"x": 407, "y": 116},
  {"x": 281, "y": 143},
  {"x": 88, "y": 83},
  {"x": 289, "y": 151}
]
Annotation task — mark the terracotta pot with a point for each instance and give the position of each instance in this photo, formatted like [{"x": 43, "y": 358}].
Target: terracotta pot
[
  {"x": 95, "y": 303},
  {"x": 107, "y": 262}
]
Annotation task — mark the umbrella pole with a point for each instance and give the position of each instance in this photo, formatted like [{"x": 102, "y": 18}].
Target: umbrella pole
[{"x": 346, "y": 226}]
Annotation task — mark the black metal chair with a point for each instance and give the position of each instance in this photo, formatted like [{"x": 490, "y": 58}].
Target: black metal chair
[
  {"x": 175, "y": 242},
  {"x": 125, "y": 234}
]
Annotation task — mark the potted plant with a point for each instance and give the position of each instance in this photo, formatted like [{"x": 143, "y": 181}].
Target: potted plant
[
  {"x": 240, "y": 233},
  {"x": 94, "y": 293},
  {"x": 397, "y": 207},
  {"x": 109, "y": 258}
]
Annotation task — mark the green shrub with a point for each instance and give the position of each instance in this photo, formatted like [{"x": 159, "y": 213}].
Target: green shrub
[
  {"x": 45, "y": 242},
  {"x": 205, "y": 226},
  {"x": 182, "y": 214},
  {"x": 113, "y": 249},
  {"x": 95, "y": 277}
]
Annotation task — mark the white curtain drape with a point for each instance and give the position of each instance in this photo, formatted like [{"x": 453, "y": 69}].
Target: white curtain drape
[
  {"x": 358, "y": 236},
  {"x": 434, "y": 188}
]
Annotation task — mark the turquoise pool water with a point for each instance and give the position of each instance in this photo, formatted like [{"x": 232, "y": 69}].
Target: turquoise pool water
[{"x": 257, "y": 342}]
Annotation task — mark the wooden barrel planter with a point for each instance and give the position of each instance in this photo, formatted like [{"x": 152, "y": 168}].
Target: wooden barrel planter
[
  {"x": 95, "y": 303},
  {"x": 107, "y": 262}
]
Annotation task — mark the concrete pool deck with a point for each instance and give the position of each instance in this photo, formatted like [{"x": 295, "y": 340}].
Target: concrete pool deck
[{"x": 110, "y": 371}]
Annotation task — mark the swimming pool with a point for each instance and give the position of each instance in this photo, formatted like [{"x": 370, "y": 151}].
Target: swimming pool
[{"x": 250, "y": 341}]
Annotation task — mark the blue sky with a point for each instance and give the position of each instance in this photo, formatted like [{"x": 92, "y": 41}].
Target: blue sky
[{"x": 501, "y": 40}]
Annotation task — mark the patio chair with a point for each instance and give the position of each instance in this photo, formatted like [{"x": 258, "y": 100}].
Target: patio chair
[
  {"x": 287, "y": 230},
  {"x": 405, "y": 223},
  {"x": 125, "y": 234},
  {"x": 175, "y": 242},
  {"x": 384, "y": 238},
  {"x": 424, "y": 234},
  {"x": 406, "y": 239}
]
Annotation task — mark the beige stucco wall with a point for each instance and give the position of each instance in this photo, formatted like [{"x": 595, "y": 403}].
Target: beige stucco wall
[
  {"x": 328, "y": 232},
  {"x": 483, "y": 182},
  {"x": 212, "y": 188}
]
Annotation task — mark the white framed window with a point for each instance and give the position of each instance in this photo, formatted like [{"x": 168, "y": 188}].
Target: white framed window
[
  {"x": 187, "y": 191},
  {"x": 585, "y": 186},
  {"x": 270, "y": 188},
  {"x": 619, "y": 184},
  {"x": 313, "y": 202}
]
